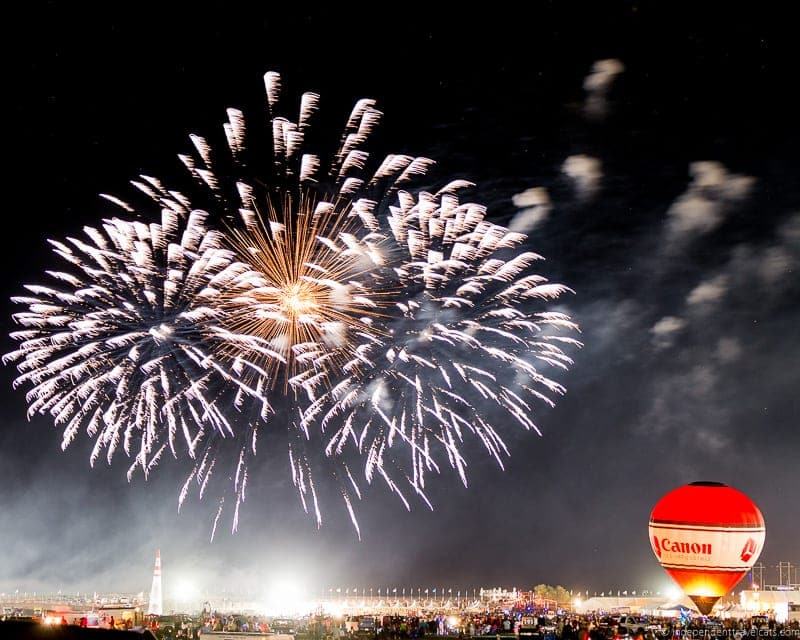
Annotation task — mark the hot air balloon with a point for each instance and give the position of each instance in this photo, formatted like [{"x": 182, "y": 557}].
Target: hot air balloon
[{"x": 707, "y": 536}]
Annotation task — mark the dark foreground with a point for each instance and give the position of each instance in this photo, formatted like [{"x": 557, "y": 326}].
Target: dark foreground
[{"x": 24, "y": 629}]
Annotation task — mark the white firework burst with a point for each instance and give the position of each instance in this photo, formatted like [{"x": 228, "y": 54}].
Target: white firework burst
[
  {"x": 126, "y": 344},
  {"x": 469, "y": 343}
]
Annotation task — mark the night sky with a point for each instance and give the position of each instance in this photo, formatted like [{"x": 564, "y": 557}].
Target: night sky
[{"x": 686, "y": 275}]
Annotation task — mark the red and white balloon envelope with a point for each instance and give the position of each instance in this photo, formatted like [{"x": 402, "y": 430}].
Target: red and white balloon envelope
[{"x": 707, "y": 536}]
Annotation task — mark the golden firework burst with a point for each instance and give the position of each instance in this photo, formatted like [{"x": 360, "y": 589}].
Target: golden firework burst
[{"x": 302, "y": 285}]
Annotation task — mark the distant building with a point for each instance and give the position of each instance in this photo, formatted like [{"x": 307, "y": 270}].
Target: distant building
[
  {"x": 155, "y": 605},
  {"x": 778, "y": 603},
  {"x": 637, "y": 605}
]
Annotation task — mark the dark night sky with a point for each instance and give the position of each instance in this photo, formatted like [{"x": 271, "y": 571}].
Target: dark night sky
[{"x": 676, "y": 383}]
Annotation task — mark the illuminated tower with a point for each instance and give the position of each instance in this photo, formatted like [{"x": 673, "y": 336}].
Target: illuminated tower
[{"x": 154, "y": 606}]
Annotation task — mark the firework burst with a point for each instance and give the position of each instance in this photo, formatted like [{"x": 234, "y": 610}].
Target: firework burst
[
  {"x": 305, "y": 229},
  {"x": 300, "y": 289},
  {"x": 469, "y": 335},
  {"x": 126, "y": 344}
]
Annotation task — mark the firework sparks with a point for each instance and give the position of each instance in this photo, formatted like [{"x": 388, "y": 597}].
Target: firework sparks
[
  {"x": 124, "y": 346},
  {"x": 300, "y": 287},
  {"x": 303, "y": 228},
  {"x": 469, "y": 332}
]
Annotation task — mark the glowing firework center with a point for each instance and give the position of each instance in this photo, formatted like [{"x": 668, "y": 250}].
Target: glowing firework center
[{"x": 298, "y": 287}]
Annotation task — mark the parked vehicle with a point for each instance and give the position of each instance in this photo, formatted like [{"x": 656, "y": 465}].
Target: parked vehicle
[
  {"x": 630, "y": 625},
  {"x": 528, "y": 627},
  {"x": 367, "y": 623}
]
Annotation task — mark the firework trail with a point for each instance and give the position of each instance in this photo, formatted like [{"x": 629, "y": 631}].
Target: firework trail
[
  {"x": 469, "y": 334},
  {"x": 127, "y": 345}
]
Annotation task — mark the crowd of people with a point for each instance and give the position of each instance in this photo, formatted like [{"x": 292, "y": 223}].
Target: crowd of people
[
  {"x": 501, "y": 624},
  {"x": 489, "y": 624},
  {"x": 497, "y": 624}
]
